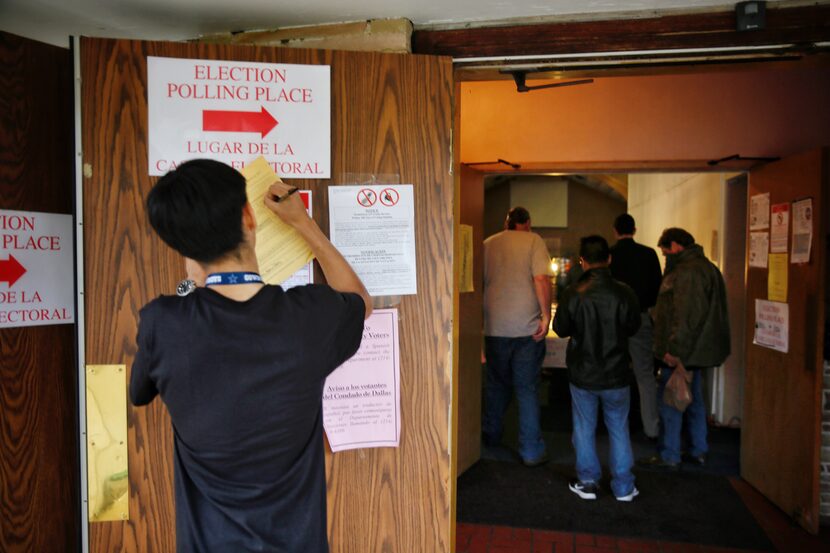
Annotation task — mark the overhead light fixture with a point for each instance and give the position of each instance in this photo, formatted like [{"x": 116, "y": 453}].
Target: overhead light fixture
[{"x": 520, "y": 78}]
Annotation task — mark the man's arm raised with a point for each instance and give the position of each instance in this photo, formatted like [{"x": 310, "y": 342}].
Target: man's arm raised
[{"x": 339, "y": 274}]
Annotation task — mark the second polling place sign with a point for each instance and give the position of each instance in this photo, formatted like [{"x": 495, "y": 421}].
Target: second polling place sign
[{"x": 233, "y": 111}]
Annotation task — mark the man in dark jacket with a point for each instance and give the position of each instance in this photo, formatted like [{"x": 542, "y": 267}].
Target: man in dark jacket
[
  {"x": 691, "y": 327},
  {"x": 599, "y": 314},
  {"x": 637, "y": 265}
]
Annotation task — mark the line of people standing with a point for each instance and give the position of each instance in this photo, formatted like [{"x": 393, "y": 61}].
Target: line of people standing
[{"x": 622, "y": 316}]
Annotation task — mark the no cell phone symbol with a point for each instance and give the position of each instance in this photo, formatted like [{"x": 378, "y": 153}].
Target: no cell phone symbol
[
  {"x": 389, "y": 197},
  {"x": 367, "y": 197}
]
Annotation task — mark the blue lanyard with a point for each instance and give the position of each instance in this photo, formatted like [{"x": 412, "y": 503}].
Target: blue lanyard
[{"x": 215, "y": 279}]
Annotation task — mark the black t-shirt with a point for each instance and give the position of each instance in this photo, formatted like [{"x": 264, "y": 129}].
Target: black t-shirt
[{"x": 243, "y": 383}]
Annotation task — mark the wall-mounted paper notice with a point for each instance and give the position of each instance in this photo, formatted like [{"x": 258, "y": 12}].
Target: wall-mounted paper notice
[
  {"x": 758, "y": 249},
  {"x": 759, "y": 212},
  {"x": 362, "y": 398},
  {"x": 778, "y": 277},
  {"x": 373, "y": 226},
  {"x": 802, "y": 230},
  {"x": 465, "y": 279},
  {"x": 779, "y": 233},
  {"x": 772, "y": 325}
]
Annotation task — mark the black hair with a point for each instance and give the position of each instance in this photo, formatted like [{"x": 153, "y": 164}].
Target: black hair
[
  {"x": 675, "y": 234},
  {"x": 517, "y": 216},
  {"x": 594, "y": 249},
  {"x": 624, "y": 224},
  {"x": 197, "y": 209}
]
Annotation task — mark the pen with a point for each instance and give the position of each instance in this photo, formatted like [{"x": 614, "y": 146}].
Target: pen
[{"x": 279, "y": 199}]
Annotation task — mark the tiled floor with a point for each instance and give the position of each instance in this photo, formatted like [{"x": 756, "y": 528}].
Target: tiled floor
[{"x": 787, "y": 538}]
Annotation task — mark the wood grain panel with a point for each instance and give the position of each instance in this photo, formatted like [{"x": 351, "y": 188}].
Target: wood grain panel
[
  {"x": 390, "y": 114},
  {"x": 780, "y": 436},
  {"x": 471, "y": 325},
  {"x": 39, "y": 473},
  {"x": 800, "y": 25}
]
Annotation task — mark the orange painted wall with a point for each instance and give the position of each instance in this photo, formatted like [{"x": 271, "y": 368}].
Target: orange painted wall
[{"x": 773, "y": 109}]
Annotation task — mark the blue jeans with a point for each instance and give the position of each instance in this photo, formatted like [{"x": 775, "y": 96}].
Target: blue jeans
[
  {"x": 514, "y": 364},
  {"x": 615, "y": 405},
  {"x": 670, "y": 442}
]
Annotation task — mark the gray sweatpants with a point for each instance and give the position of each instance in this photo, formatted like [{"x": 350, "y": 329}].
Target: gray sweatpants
[{"x": 640, "y": 346}]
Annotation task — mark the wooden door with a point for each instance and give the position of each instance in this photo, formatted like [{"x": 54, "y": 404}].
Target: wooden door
[
  {"x": 781, "y": 432},
  {"x": 39, "y": 473},
  {"x": 470, "y": 339},
  {"x": 390, "y": 114}
]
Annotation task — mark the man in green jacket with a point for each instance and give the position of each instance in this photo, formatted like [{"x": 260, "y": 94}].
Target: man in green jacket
[{"x": 691, "y": 329}]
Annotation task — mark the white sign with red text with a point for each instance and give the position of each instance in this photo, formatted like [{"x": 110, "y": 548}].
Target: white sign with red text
[
  {"x": 231, "y": 111},
  {"x": 37, "y": 274}
]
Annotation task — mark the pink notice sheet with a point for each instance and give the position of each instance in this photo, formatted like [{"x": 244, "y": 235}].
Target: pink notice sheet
[{"x": 361, "y": 398}]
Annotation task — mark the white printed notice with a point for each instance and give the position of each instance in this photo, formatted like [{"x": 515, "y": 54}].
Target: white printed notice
[
  {"x": 361, "y": 398},
  {"x": 772, "y": 325},
  {"x": 802, "y": 230},
  {"x": 759, "y": 249},
  {"x": 374, "y": 228},
  {"x": 759, "y": 212},
  {"x": 779, "y": 232},
  {"x": 231, "y": 111},
  {"x": 37, "y": 275}
]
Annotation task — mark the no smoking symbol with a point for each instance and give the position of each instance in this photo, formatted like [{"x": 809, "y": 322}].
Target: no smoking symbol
[
  {"x": 367, "y": 197},
  {"x": 389, "y": 197}
]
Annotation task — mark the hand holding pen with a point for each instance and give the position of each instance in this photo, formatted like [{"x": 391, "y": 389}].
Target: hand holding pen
[{"x": 283, "y": 200}]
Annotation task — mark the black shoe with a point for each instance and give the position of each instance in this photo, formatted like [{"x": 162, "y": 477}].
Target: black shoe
[
  {"x": 536, "y": 462},
  {"x": 699, "y": 460},
  {"x": 585, "y": 490},
  {"x": 657, "y": 462}
]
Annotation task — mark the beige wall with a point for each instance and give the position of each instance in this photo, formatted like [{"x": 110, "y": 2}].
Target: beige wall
[{"x": 690, "y": 201}]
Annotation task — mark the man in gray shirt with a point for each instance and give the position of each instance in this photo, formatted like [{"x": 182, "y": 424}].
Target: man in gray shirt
[{"x": 516, "y": 320}]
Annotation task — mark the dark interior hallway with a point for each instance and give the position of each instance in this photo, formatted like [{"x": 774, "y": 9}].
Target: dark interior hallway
[{"x": 506, "y": 507}]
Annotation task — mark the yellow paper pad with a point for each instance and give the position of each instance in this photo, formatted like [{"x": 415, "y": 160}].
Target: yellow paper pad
[{"x": 280, "y": 250}]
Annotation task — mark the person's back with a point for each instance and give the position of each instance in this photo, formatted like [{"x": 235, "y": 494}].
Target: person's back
[
  {"x": 241, "y": 365},
  {"x": 599, "y": 313},
  {"x": 242, "y": 382},
  {"x": 637, "y": 266},
  {"x": 511, "y": 260},
  {"x": 699, "y": 334}
]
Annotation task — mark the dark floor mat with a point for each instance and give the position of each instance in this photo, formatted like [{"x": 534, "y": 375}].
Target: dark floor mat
[{"x": 679, "y": 507}]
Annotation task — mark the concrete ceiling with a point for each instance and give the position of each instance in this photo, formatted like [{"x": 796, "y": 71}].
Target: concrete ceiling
[{"x": 53, "y": 21}]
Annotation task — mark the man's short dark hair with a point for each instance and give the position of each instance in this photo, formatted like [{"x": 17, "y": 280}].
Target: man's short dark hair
[
  {"x": 675, "y": 234},
  {"x": 624, "y": 224},
  {"x": 517, "y": 216},
  {"x": 197, "y": 209},
  {"x": 594, "y": 249}
]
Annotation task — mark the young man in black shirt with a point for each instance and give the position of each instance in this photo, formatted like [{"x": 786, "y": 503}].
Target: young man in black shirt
[{"x": 241, "y": 366}]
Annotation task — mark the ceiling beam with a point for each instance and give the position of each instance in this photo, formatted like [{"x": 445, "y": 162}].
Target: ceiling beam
[{"x": 800, "y": 25}]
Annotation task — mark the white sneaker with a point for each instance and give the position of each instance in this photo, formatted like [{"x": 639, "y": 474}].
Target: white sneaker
[
  {"x": 585, "y": 490},
  {"x": 630, "y": 497}
]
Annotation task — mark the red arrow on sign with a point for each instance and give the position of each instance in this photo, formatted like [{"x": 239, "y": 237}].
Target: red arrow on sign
[
  {"x": 11, "y": 270},
  {"x": 238, "y": 121}
]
